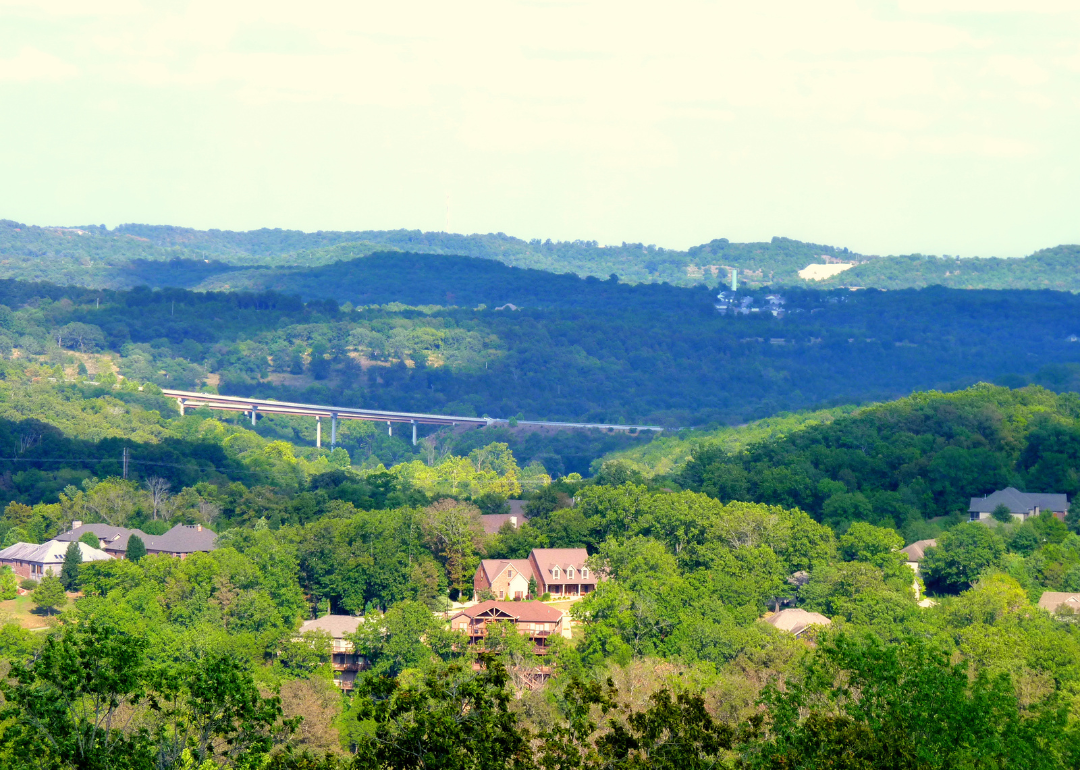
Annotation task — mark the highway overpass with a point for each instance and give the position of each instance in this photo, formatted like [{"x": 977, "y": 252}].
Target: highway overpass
[{"x": 256, "y": 406}]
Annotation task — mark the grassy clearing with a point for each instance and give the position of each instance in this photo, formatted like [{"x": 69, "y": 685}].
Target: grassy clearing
[{"x": 21, "y": 610}]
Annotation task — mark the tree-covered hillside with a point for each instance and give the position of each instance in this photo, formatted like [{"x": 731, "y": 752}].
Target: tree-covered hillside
[
  {"x": 95, "y": 256},
  {"x": 640, "y": 355},
  {"x": 903, "y": 463},
  {"x": 1054, "y": 268},
  {"x": 133, "y": 255}
]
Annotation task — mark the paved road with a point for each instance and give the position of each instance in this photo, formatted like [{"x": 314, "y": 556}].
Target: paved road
[{"x": 265, "y": 406}]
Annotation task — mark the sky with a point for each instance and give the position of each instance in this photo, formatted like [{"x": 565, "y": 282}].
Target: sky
[{"x": 930, "y": 126}]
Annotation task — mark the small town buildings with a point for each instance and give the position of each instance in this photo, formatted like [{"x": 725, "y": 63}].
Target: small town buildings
[
  {"x": 535, "y": 620},
  {"x": 1022, "y": 505},
  {"x": 34, "y": 561},
  {"x": 180, "y": 541},
  {"x": 560, "y": 572},
  {"x": 795, "y": 621},
  {"x": 1061, "y": 602},
  {"x": 343, "y": 658}
]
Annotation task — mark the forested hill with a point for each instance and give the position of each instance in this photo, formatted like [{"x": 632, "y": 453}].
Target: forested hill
[
  {"x": 130, "y": 255},
  {"x": 433, "y": 279},
  {"x": 1054, "y": 268},
  {"x": 158, "y": 256},
  {"x": 622, "y": 354},
  {"x": 903, "y": 463}
]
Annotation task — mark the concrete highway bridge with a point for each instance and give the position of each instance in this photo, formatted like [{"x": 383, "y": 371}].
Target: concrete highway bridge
[{"x": 256, "y": 406}]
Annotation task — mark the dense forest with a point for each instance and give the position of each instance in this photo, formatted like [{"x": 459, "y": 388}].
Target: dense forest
[
  {"x": 1045, "y": 269},
  {"x": 631, "y": 354},
  {"x": 163, "y": 256}
]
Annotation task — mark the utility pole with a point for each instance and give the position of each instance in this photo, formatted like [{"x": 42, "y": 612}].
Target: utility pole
[{"x": 125, "y": 462}]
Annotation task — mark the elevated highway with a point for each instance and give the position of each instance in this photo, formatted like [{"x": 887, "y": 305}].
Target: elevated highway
[{"x": 256, "y": 406}]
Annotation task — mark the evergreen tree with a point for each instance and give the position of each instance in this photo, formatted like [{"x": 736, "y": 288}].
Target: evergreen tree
[
  {"x": 69, "y": 573},
  {"x": 136, "y": 549},
  {"x": 49, "y": 594}
]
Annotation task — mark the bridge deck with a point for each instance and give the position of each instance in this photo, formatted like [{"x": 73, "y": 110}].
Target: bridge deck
[{"x": 267, "y": 406}]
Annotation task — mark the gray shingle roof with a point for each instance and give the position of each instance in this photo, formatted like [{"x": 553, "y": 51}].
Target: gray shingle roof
[
  {"x": 1019, "y": 502},
  {"x": 335, "y": 625},
  {"x": 917, "y": 550},
  {"x": 183, "y": 538},
  {"x": 115, "y": 538}
]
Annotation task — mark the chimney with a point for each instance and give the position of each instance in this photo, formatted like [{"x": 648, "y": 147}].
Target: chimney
[
  {"x": 198, "y": 527},
  {"x": 75, "y": 525}
]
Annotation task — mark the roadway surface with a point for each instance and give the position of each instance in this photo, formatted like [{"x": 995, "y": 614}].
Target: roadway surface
[{"x": 266, "y": 406}]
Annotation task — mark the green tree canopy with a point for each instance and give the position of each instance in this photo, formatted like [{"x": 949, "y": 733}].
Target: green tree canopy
[
  {"x": 136, "y": 549},
  {"x": 960, "y": 555}
]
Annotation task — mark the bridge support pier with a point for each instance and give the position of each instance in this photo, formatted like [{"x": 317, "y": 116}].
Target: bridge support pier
[
  {"x": 389, "y": 428},
  {"x": 180, "y": 403},
  {"x": 254, "y": 416},
  {"x": 333, "y": 431},
  {"x": 318, "y": 432},
  {"x": 414, "y": 432}
]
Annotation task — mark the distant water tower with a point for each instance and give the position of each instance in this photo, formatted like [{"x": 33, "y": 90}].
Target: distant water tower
[{"x": 734, "y": 279}]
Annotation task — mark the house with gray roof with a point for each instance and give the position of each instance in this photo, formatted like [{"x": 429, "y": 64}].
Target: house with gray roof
[
  {"x": 34, "y": 561},
  {"x": 180, "y": 541},
  {"x": 112, "y": 540},
  {"x": 1022, "y": 505}
]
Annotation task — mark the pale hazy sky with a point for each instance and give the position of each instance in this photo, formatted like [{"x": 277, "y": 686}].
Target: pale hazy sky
[{"x": 940, "y": 126}]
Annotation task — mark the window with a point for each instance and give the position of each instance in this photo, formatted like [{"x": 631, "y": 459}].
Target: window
[
  {"x": 510, "y": 572},
  {"x": 570, "y": 573},
  {"x": 555, "y": 573},
  {"x": 585, "y": 572},
  {"x": 502, "y": 594}
]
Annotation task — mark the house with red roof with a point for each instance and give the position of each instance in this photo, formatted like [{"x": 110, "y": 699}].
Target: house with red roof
[{"x": 561, "y": 572}]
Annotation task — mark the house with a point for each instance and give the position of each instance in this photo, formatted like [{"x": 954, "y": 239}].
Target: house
[
  {"x": 33, "y": 561},
  {"x": 493, "y": 522},
  {"x": 562, "y": 571},
  {"x": 1022, "y": 505},
  {"x": 914, "y": 553},
  {"x": 557, "y": 571},
  {"x": 506, "y": 578},
  {"x": 1061, "y": 602},
  {"x": 112, "y": 540},
  {"x": 535, "y": 620},
  {"x": 180, "y": 541},
  {"x": 795, "y": 621},
  {"x": 343, "y": 658}
]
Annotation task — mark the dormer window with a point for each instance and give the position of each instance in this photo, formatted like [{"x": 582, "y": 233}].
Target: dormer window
[
  {"x": 570, "y": 573},
  {"x": 555, "y": 573},
  {"x": 584, "y": 572}
]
